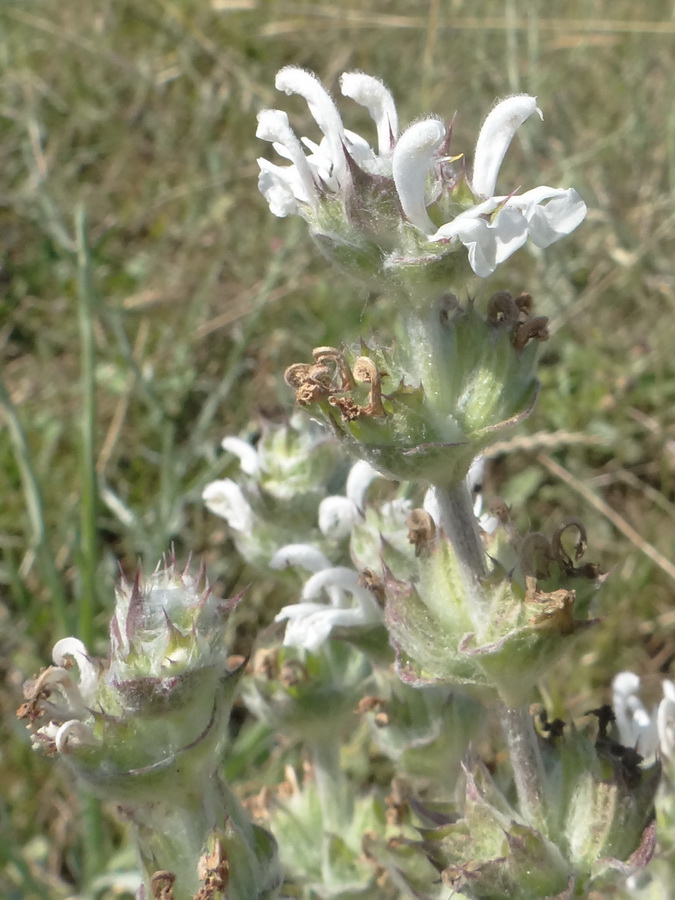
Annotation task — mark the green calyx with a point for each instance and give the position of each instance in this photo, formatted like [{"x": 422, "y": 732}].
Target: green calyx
[
  {"x": 502, "y": 632},
  {"x": 423, "y": 410}
]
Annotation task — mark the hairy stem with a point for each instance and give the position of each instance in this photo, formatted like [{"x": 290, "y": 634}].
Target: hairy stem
[
  {"x": 460, "y": 525},
  {"x": 526, "y": 763}
]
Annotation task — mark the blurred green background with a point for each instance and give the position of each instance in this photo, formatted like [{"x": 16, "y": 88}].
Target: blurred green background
[{"x": 149, "y": 304}]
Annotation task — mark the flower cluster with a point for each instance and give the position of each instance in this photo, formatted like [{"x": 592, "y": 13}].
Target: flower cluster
[
  {"x": 145, "y": 729},
  {"x": 409, "y": 198},
  {"x": 284, "y": 477}
]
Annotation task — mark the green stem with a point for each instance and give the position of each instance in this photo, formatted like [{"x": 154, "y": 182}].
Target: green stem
[
  {"x": 459, "y": 523},
  {"x": 176, "y": 835},
  {"x": 94, "y": 850},
  {"x": 461, "y": 527},
  {"x": 528, "y": 771},
  {"x": 89, "y": 484},
  {"x": 331, "y": 785}
]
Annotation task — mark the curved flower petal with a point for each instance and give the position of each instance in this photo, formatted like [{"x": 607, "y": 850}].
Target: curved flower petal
[
  {"x": 411, "y": 162},
  {"x": 225, "y": 499},
  {"x": 303, "y": 555},
  {"x": 273, "y": 125},
  {"x": 375, "y": 96},
  {"x": 337, "y": 576},
  {"x": 337, "y": 516},
  {"x": 275, "y": 184},
  {"x": 293, "y": 80},
  {"x": 72, "y": 648},
  {"x": 637, "y": 727},
  {"x": 247, "y": 453},
  {"x": 73, "y": 729},
  {"x": 495, "y": 138},
  {"x": 665, "y": 720},
  {"x": 361, "y": 476}
]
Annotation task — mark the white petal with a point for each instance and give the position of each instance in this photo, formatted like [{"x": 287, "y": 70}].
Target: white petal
[
  {"x": 411, "y": 163},
  {"x": 341, "y": 577},
  {"x": 665, "y": 720},
  {"x": 495, "y": 137},
  {"x": 372, "y": 93},
  {"x": 337, "y": 516},
  {"x": 274, "y": 183},
  {"x": 225, "y": 499},
  {"x": 247, "y": 453},
  {"x": 430, "y": 505},
  {"x": 564, "y": 212},
  {"x": 309, "y": 625},
  {"x": 273, "y": 125},
  {"x": 625, "y": 684},
  {"x": 72, "y": 730},
  {"x": 71, "y": 647},
  {"x": 303, "y": 555},
  {"x": 361, "y": 476},
  {"x": 293, "y": 80}
]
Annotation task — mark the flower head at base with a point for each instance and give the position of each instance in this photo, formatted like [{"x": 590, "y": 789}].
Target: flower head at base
[
  {"x": 163, "y": 694},
  {"x": 405, "y": 204}
]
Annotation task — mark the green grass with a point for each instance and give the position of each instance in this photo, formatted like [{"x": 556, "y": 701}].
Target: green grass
[{"x": 150, "y": 304}]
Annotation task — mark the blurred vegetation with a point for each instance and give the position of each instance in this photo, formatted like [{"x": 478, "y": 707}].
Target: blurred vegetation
[{"x": 149, "y": 304}]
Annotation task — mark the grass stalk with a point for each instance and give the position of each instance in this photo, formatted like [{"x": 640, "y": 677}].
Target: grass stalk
[
  {"x": 92, "y": 823},
  {"x": 35, "y": 508}
]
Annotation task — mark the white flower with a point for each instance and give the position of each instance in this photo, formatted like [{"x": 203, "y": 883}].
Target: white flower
[
  {"x": 226, "y": 499},
  {"x": 339, "y": 514},
  {"x": 494, "y": 229},
  {"x": 310, "y": 622},
  {"x": 665, "y": 720},
  {"x": 496, "y": 226},
  {"x": 60, "y": 704},
  {"x": 295, "y": 188},
  {"x": 637, "y": 726},
  {"x": 491, "y": 228}
]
